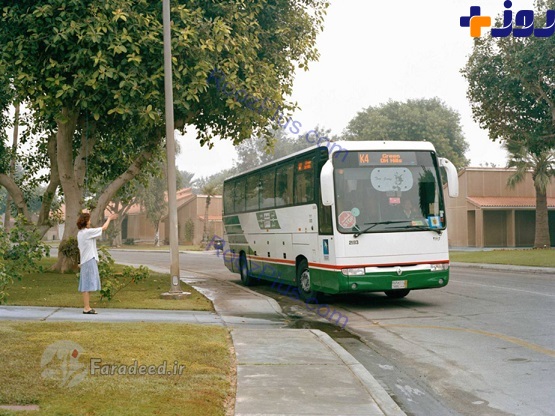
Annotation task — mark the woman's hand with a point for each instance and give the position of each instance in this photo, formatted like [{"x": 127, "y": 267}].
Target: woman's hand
[{"x": 107, "y": 223}]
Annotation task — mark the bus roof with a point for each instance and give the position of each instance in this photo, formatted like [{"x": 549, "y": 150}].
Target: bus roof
[{"x": 341, "y": 146}]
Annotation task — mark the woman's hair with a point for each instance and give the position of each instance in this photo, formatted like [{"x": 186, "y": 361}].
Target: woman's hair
[{"x": 83, "y": 220}]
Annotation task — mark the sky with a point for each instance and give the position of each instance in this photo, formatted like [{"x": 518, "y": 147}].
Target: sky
[{"x": 372, "y": 52}]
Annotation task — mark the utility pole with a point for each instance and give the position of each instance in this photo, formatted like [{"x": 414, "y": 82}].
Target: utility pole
[{"x": 175, "y": 289}]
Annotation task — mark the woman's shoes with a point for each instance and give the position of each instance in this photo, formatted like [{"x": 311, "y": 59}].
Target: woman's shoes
[{"x": 90, "y": 312}]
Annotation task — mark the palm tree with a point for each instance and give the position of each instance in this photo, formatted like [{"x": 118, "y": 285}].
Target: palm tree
[
  {"x": 542, "y": 165},
  {"x": 210, "y": 189}
]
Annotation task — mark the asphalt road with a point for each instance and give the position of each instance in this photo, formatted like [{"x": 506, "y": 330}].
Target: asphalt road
[{"x": 483, "y": 345}]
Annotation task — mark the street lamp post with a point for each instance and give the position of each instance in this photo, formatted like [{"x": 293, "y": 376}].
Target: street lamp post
[{"x": 175, "y": 289}]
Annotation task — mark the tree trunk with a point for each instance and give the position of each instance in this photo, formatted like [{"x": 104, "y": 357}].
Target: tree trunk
[
  {"x": 116, "y": 242},
  {"x": 541, "y": 239},
  {"x": 205, "y": 237},
  {"x": 73, "y": 194},
  {"x": 157, "y": 234}
]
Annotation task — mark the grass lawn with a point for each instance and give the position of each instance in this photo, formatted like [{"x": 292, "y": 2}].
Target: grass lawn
[
  {"x": 61, "y": 385},
  {"x": 56, "y": 289},
  {"x": 539, "y": 258}
]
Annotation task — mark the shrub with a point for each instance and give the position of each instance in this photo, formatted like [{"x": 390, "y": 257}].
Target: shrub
[
  {"x": 20, "y": 251},
  {"x": 113, "y": 282},
  {"x": 70, "y": 249}
]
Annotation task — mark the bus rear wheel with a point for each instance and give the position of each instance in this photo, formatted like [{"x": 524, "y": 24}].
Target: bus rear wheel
[
  {"x": 304, "y": 284},
  {"x": 397, "y": 294},
  {"x": 244, "y": 271}
]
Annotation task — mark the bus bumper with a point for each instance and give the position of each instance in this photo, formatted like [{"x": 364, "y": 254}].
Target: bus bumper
[{"x": 379, "y": 282}]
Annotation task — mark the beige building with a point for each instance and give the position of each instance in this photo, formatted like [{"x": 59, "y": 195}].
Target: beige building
[
  {"x": 190, "y": 217},
  {"x": 487, "y": 213}
]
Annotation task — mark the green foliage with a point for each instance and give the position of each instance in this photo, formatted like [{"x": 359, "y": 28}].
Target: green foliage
[
  {"x": 187, "y": 179},
  {"x": 111, "y": 281},
  {"x": 510, "y": 86},
  {"x": 542, "y": 165},
  {"x": 70, "y": 249},
  {"x": 105, "y": 58},
  {"x": 415, "y": 120},
  {"x": 189, "y": 230},
  {"x": 20, "y": 252}
]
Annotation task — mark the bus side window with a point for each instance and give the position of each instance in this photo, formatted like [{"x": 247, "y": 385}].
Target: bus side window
[
  {"x": 239, "y": 196},
  {"x": 284, "y": 185},
  {"x": 228, "y": 197},
  {"x": 304, "y": 181},
  {"x": 267, "y": 182},
  {"x": 253, "y": 182}
]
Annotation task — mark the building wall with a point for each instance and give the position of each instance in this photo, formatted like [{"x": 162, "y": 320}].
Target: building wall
[
  {"x": 523, "y": 231},
  {"x": 139, "y": 227},
  {"x": 495, "y": 228},
  {"x": 457, "y": 217},
  {"x": 193, "y": 209},
  {"x": 470, "y": 225}
]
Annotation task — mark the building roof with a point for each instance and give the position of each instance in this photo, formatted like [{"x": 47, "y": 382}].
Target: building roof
[
  {"x": 506, "y": 202},
  {"x": 181, "y": 197}
]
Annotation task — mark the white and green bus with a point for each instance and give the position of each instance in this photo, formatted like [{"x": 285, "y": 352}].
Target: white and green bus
[{"x": 360, "y": 216}]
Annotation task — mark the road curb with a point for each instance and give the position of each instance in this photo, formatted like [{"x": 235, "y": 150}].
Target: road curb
[
  {"x": 504, "y": 267},
  {"x": 378, "y": 393},
  {"x": 273, "y": 303}
]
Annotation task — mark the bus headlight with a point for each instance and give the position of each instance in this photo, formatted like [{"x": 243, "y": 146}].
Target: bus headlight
[
  {"x": 439, "y": 267},
  {"x": 353, "y": 272}
]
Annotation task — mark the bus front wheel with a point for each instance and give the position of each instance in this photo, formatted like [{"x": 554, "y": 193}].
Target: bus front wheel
[
  {"x": 244, "y": 271},
  {"x": 304, "y": 284},
  {"x": 397, "y": 294}
]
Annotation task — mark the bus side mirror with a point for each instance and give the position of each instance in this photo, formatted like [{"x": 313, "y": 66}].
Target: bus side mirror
[
  {"x": 326, "y": 184},
  {"x": 452, "y": 176}
]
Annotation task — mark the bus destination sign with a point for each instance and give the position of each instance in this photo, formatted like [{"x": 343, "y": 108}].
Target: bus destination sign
[{"x": 386, "y": 158}]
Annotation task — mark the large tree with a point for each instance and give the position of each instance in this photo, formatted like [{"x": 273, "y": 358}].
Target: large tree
[
  {"x": 511, "y": 85},
  {"x": 208, "y": 190},
  {"x": 93, "y": 73},
  {"x": 415, "y": 120}
]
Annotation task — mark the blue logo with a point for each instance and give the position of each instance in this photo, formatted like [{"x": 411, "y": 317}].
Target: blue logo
[{"x": 523, "y": 26}]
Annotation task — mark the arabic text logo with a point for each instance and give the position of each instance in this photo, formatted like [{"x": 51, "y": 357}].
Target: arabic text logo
[{"x": 522, "y": 27}]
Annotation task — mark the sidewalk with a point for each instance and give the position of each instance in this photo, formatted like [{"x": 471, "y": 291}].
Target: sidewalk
[{"x": 280, "y": 371}]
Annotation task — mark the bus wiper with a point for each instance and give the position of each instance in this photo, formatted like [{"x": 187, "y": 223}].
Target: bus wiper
[
  {"x": 373, "y": 224},
  {"x": 420, "y": 227}
]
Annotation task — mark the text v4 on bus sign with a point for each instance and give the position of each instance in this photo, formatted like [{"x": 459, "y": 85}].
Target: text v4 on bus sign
[{"x": 347, "y": 219}]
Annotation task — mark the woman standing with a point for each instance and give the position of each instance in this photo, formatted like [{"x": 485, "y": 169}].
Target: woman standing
[{"x": 89, "y": 278}]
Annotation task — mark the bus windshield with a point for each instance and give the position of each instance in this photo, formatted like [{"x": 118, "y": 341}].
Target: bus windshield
[{"x": 389, "y": 191}]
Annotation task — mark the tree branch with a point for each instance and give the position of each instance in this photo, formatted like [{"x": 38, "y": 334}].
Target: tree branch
[
  {"x": 111, "y": 190},
  {"x": 88, "y": 140},
  {"x": 16, "y": 194},
  {"x": 44, "y": 214}
]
